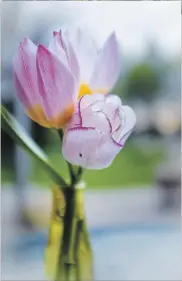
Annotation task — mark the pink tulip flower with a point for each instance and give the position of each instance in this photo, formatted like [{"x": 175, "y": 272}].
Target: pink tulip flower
[
  {"x": 97, "y": 131},
  {"x": 50, "y": 81},
  {"x": 44, "y": 84}
]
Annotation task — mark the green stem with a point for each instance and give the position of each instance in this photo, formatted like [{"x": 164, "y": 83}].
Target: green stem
[
  {"x": 76, "y": 247},
  {"x": 79, "y": 174},
  {"x": 70, "y": 167},
  {"x": 60, "y": 133},
  {"x": 72, "y": 175},
  {"x": 69, "y": 232}
]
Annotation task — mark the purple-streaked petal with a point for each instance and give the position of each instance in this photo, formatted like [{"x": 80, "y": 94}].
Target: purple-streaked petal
[
  {"x": 97, "y": 131},
  {"x": 65, "y": 52},
  {"x": 25, "y": 74},
  {"x": 96, "y": 119},
  {"x": 57, "y": 46},
  {"x": 76, "y": 121},
  {"x": 107, "y": 67},
  {"x": 113, "y": 110},
  {"x": 90, "y": 114},
  {"x": 116, "y": 116},
  {"x": 57, "y": 86},
  {"x": 130, "y": 121},
  {"x": 21, "y": 92}
]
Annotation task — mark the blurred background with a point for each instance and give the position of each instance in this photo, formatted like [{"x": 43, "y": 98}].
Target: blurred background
[{"x": 133, "y": 207}]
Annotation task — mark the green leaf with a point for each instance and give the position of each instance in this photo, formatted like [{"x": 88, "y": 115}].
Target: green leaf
[{"x": 20, "y": 136}]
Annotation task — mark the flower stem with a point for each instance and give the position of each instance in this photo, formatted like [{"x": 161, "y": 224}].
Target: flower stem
[
  {"x": 67, "y": 250},
  {"x": 60, "y": 133},
  {"x": 77, "y": 238},
  {"x": 72, "y": 175},
  {"x": 79, "y": 174},
  {"x": 70, "y": 167}
]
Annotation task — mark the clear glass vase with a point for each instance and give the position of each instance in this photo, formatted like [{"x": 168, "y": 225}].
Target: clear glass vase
[{"x": 68, "y": 254}]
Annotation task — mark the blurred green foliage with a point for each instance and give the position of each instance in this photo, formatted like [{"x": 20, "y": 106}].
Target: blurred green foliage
[
  {"x": 134, "y": 166},
  {"x": 142, "y": 82}
]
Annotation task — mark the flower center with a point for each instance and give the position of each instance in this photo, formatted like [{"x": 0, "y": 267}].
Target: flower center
[{"x": 84, "y": 90}]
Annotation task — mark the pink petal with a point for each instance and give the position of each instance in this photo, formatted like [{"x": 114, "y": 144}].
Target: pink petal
[
  {"x": 97, "y": 131},
  {"x": 89, "y": 148},
  {"x": 107, "y": 67},
  {"x": 115, "y": 115},
  {"x": 107, "y": 151},
  {"x": 130, "y": 121},
  {"x": 73, "y": 63},
  {"x": 64, "y": 51},
  {"x": 26, "y": 99},
  {"x": 97, "y": 120},
  {"x": 113, "y": 110},
  {"x": 98, "y": 107},
  {"x": 115, "y": 100},
  {"x": 56, "y": 83},
  {"x": 75, "y": 121},
  {"x": 25, "y": 74},
  {"x": 57, "y": 47},
  {"x": 85, "y": 52},
  {"x": 90, "y": 100},
  {"x": 89, "y": 114},
  {"x": 77, "y": 145}
]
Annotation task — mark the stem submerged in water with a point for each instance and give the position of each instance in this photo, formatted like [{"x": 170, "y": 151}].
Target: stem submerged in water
[
  {"x": 75, "y": 256},
  {"x": 66, "y": 256}
]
